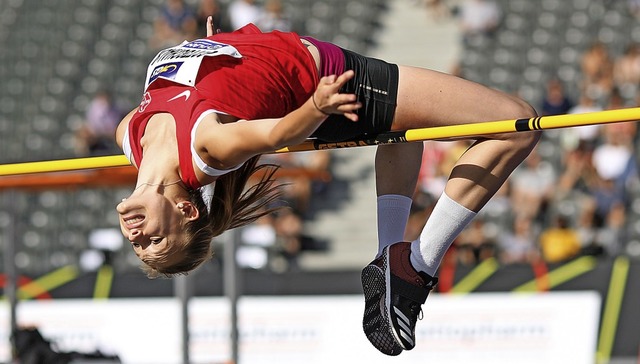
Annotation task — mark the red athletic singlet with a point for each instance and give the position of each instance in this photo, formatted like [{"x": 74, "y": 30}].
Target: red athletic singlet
[
  {"x": 185, "y": 105},
  {"x": 275, "y": 76}
]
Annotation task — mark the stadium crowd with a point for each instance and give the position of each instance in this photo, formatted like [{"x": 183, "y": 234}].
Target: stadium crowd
[{"x": 576, "y": 201}]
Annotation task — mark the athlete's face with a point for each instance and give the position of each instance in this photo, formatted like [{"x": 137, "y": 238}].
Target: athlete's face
[{"x": 153, "y": 224}]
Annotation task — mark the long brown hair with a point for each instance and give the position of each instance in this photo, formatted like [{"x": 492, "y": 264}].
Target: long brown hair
[{"x": 233, "y": 204}]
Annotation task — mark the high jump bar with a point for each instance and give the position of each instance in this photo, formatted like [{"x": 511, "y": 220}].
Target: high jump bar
[{"x": 393, "y": 137}]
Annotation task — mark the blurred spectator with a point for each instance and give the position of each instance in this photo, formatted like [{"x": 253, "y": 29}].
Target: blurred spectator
[
  {"x": 289, "y": 236},
  {"x": 626, "y": 70},
  {"x": 517, "y": 245},
  {"x": 258, "y": 240},
  {"x": 586, "y": 223},
  {"x": 261, "y": 232},
  {"x": 276, "y": 240},
  {"x": 615, "y": 165},
  {"x": 437, "y": 9},
  {"x": 584, "y": 136},
  {"x": 556, "y": 101},
  {"x": 421, "y": 207},
  {"x": 242, "y": 12},
  {"x": 438, "y": 159},
  {"x": 452, "y": 152},
  {"x": 616, "y": 100},
  {"x": 560, "y": 242},
  {"x": 634, "y": 8},
  {"x": 613, "y": 158},
  {"x": 474, "y": 244},
  {"x": 612, "y": 238},
  {"x": 609, "y": 204},
  {"x": 96, "y": 135},
  {"x": 499, "y": 208},
  {"x": 586, "y": 103},
  {"x": 597, "y": 71},
  {"x": 432, "y": 177},
  {"x": 608, "y": 212},
  {"x": 273, "y": 17},
  {"x": 578, "y": 173},
  {"x": 532, "y": 186},
  {"x": 478, "y": 18},
  {"x": 303, "y": 178},
  {"x": 309, "y": 174},
  {"x": 176, "y": 23},
  {"x": 208, "y": 8}
]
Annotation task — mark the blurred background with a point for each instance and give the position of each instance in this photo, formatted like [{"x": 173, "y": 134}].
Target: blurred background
[{"x": 566, "y": 221}]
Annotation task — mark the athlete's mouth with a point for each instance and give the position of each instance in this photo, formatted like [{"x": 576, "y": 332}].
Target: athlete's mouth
[{"x": 133, "y": 221}]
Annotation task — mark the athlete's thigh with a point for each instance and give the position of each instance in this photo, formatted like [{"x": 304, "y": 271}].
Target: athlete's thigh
[{"x": 429, "y": 98}]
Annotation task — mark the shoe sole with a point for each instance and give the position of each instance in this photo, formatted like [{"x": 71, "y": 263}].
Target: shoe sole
[
  {"x": 387, "y": 301},
  {"x": 377, "y": 321}
]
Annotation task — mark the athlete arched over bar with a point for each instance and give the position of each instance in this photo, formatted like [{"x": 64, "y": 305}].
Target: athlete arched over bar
[{"x": 212, "y": 106}]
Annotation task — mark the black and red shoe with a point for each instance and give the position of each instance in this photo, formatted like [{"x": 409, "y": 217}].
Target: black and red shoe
[{"x": 394, "y": 293}]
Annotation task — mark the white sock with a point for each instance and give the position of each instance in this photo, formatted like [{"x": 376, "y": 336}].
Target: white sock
[
  {"x": 393, "y": 214},
  {"x": 447, "y": 220}
]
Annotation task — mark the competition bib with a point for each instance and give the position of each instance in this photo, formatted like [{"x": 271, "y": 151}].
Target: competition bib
[{"x": 181, "y": 63}]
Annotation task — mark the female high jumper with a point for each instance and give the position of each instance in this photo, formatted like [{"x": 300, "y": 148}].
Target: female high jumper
[{"x": 212, "y": 106}]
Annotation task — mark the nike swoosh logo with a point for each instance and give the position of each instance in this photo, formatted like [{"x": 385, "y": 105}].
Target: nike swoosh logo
[{"x": 186, "y": 95}]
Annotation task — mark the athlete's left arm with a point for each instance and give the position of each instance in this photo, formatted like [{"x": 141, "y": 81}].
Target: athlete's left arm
[{"x": 122, "y": 127}]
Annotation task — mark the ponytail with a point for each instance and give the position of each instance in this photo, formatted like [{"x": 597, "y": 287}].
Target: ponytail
[{"x": 233, "y": 205}]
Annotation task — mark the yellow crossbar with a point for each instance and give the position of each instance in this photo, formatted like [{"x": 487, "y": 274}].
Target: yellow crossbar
[{"x": 412, "y": 135}]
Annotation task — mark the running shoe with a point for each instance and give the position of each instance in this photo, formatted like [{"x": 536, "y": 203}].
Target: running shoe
[{"x": 394, "y": 292}]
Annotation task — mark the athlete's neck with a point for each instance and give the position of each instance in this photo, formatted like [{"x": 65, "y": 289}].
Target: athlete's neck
[{"x": 160, "y": 162}]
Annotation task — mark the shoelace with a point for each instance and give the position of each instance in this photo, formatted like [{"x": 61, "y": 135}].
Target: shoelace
[{"x": 415, "y": 307}]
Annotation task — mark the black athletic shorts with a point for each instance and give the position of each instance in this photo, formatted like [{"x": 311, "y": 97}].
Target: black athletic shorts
[{"x": 376, "y": 85}]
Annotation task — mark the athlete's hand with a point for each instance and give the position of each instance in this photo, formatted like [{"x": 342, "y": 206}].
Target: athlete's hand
[
  {"x": 210, "y": 30},
  {"x": 328, "y": 100}
]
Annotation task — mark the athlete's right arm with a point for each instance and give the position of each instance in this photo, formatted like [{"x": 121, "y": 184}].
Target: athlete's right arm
[{"x": 227, "y": 145}]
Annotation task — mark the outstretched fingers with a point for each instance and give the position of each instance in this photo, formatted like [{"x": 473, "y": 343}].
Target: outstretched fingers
[
  {"x": 330, "y": 101},
  {"x": 346, "y": 76},
  {"x": 210, "y": 31},
  {"x": 348, "y": 106}
]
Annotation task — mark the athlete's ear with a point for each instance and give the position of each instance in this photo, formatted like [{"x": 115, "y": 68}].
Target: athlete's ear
[{"x": 189, "y": 211}]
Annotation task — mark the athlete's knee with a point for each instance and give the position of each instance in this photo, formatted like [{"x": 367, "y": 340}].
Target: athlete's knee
[
  {"x": 522, "y": 141},
  {"x": 520, "y": 109}
]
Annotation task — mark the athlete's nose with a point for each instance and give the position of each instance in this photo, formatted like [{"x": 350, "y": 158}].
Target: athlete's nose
[{"x": 134, "y": 234}]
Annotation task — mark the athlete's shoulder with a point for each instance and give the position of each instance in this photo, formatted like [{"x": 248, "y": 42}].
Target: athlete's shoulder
[{"x": 122, "y": 127}]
